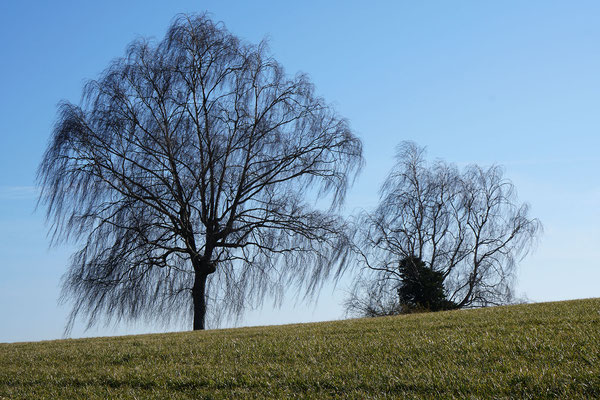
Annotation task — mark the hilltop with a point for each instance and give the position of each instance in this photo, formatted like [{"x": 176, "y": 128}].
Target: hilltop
[{"x": 543, "y": 350}]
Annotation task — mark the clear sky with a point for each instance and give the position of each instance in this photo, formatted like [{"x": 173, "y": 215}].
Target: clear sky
[{"x": 514, "y": 83}]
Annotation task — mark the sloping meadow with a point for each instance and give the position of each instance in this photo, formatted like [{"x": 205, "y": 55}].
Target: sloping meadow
[{"x": 549, "y": 350}]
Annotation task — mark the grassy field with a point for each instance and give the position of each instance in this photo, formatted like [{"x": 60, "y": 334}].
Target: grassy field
[{"x": 549, "y": 350}]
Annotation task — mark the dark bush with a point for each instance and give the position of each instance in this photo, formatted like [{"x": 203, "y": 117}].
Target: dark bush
[{"x": 422, "y": 288}]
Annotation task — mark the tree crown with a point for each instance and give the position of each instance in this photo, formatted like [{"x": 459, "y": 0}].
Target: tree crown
[{"x": 195, "y": 154}]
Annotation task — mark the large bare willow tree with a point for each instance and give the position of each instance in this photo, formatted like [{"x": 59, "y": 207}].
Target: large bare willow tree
[
  {"x": 189, "y": 174},
  {"x": 466, "y": 227}
]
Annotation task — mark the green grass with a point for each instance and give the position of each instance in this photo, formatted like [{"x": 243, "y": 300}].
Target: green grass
[{"x": 549, "y": 350}]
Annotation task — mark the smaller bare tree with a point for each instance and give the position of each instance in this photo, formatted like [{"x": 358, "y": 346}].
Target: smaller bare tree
[{"x": 467, "y": 225}]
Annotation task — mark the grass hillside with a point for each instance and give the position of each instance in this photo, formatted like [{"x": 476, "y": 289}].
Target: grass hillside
[{"x": 549, "y": 350}]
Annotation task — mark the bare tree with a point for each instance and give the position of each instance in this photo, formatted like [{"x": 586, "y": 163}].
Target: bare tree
[
  {"x": 191, "y": 158},
  {"x": 467, "y": 225}
]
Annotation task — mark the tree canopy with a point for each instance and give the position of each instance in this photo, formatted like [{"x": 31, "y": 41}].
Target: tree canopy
[
  {"x": 466, "y": 226},
  {"x": 186, "y": 176}
]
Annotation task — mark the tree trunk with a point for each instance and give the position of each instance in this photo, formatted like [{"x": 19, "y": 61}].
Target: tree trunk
[{"x": 199, "y": 297}]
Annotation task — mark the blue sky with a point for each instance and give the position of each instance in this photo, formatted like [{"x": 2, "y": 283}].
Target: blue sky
[{"x": 513, "y": 83}]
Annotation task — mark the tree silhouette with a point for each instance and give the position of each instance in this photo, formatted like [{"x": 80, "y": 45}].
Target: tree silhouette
[
  {"x": 193, "y": 158},
  {"x": 467, "y": 226}
]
